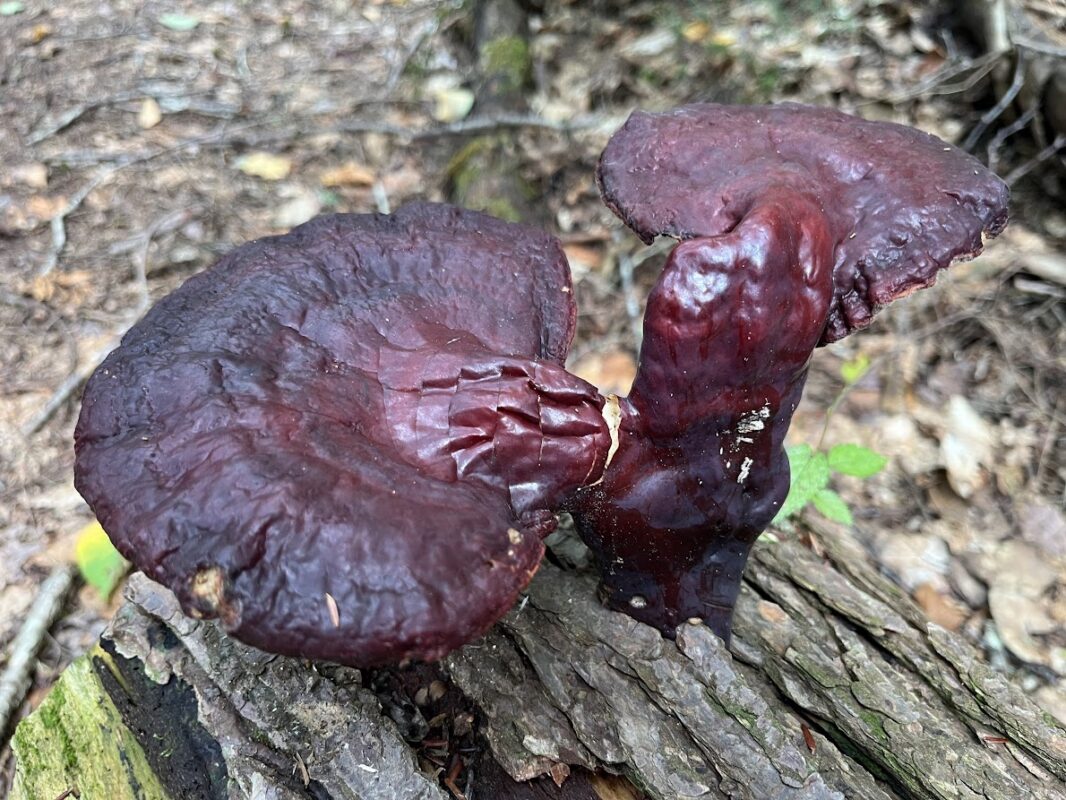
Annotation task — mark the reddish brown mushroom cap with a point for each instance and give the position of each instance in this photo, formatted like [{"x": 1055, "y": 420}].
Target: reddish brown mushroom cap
[
  {"x": 797, "y": 224},
  {"x": 902, "y": 203},
  {"x": 347, "y": 442}
]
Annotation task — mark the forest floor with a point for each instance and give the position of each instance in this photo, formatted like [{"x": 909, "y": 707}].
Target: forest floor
[{"x": 140, "y": 141}]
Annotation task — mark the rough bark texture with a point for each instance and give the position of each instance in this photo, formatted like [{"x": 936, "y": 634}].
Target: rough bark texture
[{"x": 894, "y": 706}]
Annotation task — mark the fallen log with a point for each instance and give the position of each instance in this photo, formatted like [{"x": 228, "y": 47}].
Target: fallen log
[{"x": 835, "y": 686}]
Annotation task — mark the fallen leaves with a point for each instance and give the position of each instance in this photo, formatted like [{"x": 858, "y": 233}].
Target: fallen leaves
[
  {"x": 29, "y": 214},
  {"x": 179, "y": 22},
  {"x": 451, "y": 100},
  {"x": 348, "y": 174},
  {"x": 99, "y": 563},
  {"x": 300, "y": 205},
  {"x": 265, "y": 166},
  {"x": 1019, "y": 578},
  {"x": 940, "y": 608},
  {"x": 149, "y": 114},
  {"x": 33, "y": 175},
  {"x": 967, "y": 444},
  {"x": 70, "y": 287}
]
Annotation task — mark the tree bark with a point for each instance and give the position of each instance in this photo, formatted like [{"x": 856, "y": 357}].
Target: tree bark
[{"x": 836, "y": 687}]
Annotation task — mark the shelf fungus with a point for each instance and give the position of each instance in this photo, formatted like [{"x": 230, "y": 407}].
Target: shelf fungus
[{"x": 348, "y": 442}]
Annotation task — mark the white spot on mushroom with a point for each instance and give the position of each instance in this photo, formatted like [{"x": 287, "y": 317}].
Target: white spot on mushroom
[
  {"x": 514, "y": 536},
  {"x": 745, "y": 467},
  {"x": 334, "y": 612},
  {"x": 753, "y": 420},
  {"x": 638, "y": 602}
]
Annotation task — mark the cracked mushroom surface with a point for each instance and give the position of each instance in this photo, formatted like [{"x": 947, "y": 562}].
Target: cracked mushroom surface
[
  {"x": 796, "y": 224},
  {"x": 348, "y": 442}
]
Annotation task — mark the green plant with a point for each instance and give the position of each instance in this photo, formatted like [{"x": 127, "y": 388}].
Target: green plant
[
  {"x": 812, "y": 467},
  {"x": 100, "y": 564}
]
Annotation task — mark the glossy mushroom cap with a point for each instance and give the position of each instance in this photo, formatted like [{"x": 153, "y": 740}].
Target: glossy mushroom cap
[
  {"x": 902, "y": 204},
  {"x": 347, "y": 442},
  {"x": 797, "y": 224}
]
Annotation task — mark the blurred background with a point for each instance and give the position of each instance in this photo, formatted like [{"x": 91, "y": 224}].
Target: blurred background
[{"x": 139, "y": 141}]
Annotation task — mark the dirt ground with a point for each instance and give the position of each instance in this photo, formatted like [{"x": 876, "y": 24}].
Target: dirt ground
[{"x": 139, "y": 141}]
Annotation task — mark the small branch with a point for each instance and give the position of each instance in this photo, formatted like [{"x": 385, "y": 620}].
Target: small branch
[
  {"x": 1039, "y": 158},
  {"x": 15, "y": 681},
  {"x": 1006, "y": 133},
  {"x": 59, "y": 229},
  {"x": 245, "y": 135},
  {"x": 1039, "y": 47},
  {"x": 73, "y": 382},
  {"x": 994, "y": 113}
]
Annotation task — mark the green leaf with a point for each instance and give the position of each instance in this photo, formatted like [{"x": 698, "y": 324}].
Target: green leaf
[
  {"x": 11, "y": 8},
  {"x": 832, "y": 505},
  {"x": 810, "y": 474},
  {"x": 178, "y": 22},
  {"x": 853, "y": 370},
  {"x": 798, "y": 456},
  {"x": 99, "y": 562},
  {"x": 854, "y": 459}
]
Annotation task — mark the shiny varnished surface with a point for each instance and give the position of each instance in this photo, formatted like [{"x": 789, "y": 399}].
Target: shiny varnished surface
[
  {"x": 700, "y": 470},
  {"x": 347, "y": 442},
  {"x": 901, "y": 204},
  {"x": 796, "y": 223}
]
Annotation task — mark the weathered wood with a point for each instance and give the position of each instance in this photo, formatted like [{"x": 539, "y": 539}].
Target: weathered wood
[{"x": 825, "y": 649}]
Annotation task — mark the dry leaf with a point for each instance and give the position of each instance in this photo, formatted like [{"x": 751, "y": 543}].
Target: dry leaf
[
  {"x": 1044, "y": 525},
  {"x": 899, "y": 438},
  {"x": 579, "y": 255},
  {"x": 611, "y": 372},
  {"x": 300, "y": 207},
  {"x": 452, "y": 104},
  {"x": 696, "y": 31},
  {"x": 72, "y": 286},
  {"x": 939, "y": 608},
  {"x": 45, "y": 208},
  {"x": 38, "y": 33},
  {"x": 915, "y": 559},
  {"x": 149, "y": 114},
  {"x": 348, "y": 174},
  {"x": 1019, "y": 577},
  {"x": 268, "y": 166},
  {"x": 967, "y": 443},
  {"x": 34, "y": 175}
]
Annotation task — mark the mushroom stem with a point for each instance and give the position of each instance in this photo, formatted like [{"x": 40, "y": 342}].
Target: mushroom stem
[{"x": 701, "y": 469}]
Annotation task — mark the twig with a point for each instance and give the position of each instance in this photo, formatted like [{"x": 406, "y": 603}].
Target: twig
[
  {"x": 1043, "y": 155},
  {"x": 239, "y": 134},
  {"x": 72, "y": 383},
  {"x": 1039, "y": 47},
  {"x": 994, "y": 113},
  {"x": 15, "y": 681},
  {"x": 934, "y": 84},
  {"x": 1006, "y": 133},
  {"x": 59, "y": 228},
  {"x": 471, "y": 125}
]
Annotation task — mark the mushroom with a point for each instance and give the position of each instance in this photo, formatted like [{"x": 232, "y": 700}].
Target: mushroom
[
  {"x": 796, "y": 224},
  {"x": 348, "y": 442}
]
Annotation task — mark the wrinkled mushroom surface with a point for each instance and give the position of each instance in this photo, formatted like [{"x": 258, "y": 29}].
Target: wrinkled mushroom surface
[
  {"x": 901, "y": 204},
  {"x": 347, "y": 442},
  {"x": 797, "y": 224}
]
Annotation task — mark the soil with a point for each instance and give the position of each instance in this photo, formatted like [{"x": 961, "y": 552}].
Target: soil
[{"x": 141, "y": 140}]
